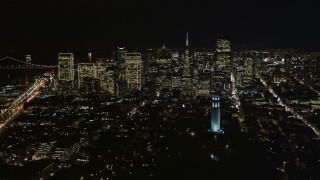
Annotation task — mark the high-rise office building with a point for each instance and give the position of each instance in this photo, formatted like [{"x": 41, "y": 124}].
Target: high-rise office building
[
  {"x": 90, "y": 86},
  {"x": 103, "y": 70},
  {"x": 86, "y": 70},
  {"x": 133, "y": 66},
  {"x": 106, "y": 76},
  {"x": 223, "y": 56},
  {"x": 66, "y": 73},
  {"x": 215, "y": 114},
  {"x": 176, "y": 82},
  {"x": 216, "y": 82},
  {"x": 238, "y": 75},
  {"x": 248, "y": 71},
  {"x": 223, "y": 64},
  {"x": 204, "y": 83},
  {"x": 119, "y": 54}
]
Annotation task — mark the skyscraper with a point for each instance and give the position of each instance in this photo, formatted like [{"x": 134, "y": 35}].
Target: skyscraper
[
  {"x": 216, "y": 82},
  {"x": 223, "y": 57},
  {"x": 66, "y": 73},
  {"x": 248, "y": 71},
  {"x": 106, "y": 76},
  {"x": 86, "y": 70},
  {"x": 223, "y": 64},
  {"x": 204, "y": 83},
  {"x": 215, "y": 114},
  {"x": 133, "y": 66},
  {"x": 119, "y": 54},
  {"x": 90, "y": 86},
  {"x": 186, "y": 80}
]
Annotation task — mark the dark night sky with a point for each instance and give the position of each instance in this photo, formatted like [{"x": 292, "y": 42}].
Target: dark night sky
[{"x": 46, "y": 28}]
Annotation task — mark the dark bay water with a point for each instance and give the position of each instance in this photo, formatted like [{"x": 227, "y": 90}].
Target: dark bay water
[{"x": 18, "y": 76}]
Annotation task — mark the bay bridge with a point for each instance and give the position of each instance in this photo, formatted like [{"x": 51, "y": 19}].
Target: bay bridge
[
  {"x": 12, "y": 63},
  {"x": 31, "y": 91},
  {"x": 8, "y": 114}
]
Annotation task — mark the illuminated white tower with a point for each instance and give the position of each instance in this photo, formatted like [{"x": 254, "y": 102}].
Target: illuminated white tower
[{"x": 215, "y": 114}]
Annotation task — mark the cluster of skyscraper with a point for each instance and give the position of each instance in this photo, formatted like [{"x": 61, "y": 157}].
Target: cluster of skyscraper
[
  {"x": 193, "y": 72},
  {"x": 91, "y": 78}
]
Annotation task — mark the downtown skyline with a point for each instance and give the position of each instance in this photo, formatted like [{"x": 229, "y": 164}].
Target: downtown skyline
[{"x": 160, "y": 89}]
